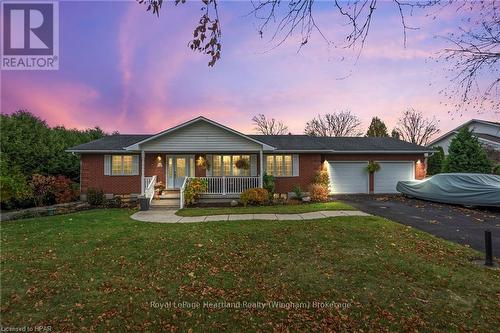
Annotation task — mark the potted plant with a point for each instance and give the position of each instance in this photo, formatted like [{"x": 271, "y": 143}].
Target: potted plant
[
  {"x": 242, "y": 163},
  {"x": 373, "y": 167},
  {"x": 159, "y": 188}
]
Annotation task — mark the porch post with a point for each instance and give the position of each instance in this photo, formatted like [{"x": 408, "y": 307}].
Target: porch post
[
  {"x": 142, "y": 171},
  {"x": 261, "y": 170}
]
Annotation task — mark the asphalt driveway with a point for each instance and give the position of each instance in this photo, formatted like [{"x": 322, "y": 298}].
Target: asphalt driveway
[{"x": 455, "y": 223}]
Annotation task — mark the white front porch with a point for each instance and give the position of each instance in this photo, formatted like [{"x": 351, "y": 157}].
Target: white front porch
[{"x": 217, "y": 187}]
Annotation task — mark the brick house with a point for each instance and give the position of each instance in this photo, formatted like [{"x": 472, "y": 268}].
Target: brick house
[{"x": 133, "y": 164}]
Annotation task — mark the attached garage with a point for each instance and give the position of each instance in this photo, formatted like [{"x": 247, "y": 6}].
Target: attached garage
[
  {"x": 348, "y": 177},
  {"x": 386, "y": 179}
]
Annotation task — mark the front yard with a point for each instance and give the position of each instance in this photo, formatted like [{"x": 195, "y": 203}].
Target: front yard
[
  {"x": 100, "y": 270},
  {"x": 275, "y": 209}
]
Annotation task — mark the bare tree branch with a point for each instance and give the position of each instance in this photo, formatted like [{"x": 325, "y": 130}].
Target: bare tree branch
[
  {"x": 475, "y": 53},
  {"x": 268, "y": 126},
  {"x": 414, "y": 128},
  {"x": 343, "y": 123}
]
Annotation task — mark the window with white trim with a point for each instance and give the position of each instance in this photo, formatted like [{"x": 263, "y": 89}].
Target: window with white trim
[
  {"x": 122, "y": 165},
  {"x": 225, "y": 165},
  {"x": 279, "y": 165}
]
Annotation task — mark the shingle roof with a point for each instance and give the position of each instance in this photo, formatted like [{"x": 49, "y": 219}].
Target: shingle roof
[
  {"x": 304, "y": 142},
  {"x": 280, "y": 142},
  {"x": 112, "y": 142}
]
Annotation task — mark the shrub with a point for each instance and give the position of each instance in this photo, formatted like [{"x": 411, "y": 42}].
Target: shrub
[
  {"x": 318, "y": 193},
  {"x": 194, "y": 187},
  {"x": 95, "y": 196},
  {"x": 254, "y": 196},
  {"x": 64, "y": 190},
  {"x": 268, "y": 182},
  {"x": 41, "y": 187},
  {"x": 321, "y": 177},
  {"x": 496, "y": 169},
  {"x": 116, "y": 202},
  {"x": 297, "y": 191}
]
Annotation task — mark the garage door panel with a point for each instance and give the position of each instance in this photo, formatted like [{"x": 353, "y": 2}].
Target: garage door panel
[
  {"x": 348, "y": 177},
  {"x": 386, "y": 179}
]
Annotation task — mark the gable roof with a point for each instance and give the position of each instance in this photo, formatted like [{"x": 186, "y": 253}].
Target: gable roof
[
  {"x": 306, "y": 143},
  {"x": 467, "y": 123},
  {"x": 279, "y": 143},
  {"x": 135, "y": 146}
]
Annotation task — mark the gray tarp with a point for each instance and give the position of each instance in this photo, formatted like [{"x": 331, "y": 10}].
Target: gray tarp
[{"x": 474, "y": 189}]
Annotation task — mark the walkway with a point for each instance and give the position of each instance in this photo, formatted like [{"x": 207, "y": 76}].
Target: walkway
[{"x": 168, "y": 216}]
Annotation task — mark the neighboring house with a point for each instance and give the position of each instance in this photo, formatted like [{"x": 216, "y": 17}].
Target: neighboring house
[
  {"x": 488, "y": 133},
  {"x": 132, "y": 164}
]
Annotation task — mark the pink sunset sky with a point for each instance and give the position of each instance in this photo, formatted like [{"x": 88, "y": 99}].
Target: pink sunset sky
[{"x": 124, "y": 69}]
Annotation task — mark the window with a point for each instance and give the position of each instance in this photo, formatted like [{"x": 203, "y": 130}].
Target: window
[
  {"x": 217, "y": 166},
  {"x": 123, "y": 165},
  {"x": 225, "y": 165},
  {"x": 279, "y": 165}
]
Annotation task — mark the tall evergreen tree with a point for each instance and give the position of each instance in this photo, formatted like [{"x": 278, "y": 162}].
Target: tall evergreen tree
[
  {"x": 435, "y": 162},
  {"x": 377, "y": 128},
  {"x": 466, "y": 154}
]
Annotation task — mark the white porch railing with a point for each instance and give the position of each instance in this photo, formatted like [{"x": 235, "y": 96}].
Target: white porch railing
[
  {"x": 230, "y": 185},
  {"x": 223, "y": 185},
  {"x": 149, "y": 187},
  {"x": 183, "y": 187}
]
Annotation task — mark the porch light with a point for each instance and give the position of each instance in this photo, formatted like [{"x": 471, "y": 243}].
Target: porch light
[
  {"x": 418, "y": 161},
  {"x": 159, "y": 163}
]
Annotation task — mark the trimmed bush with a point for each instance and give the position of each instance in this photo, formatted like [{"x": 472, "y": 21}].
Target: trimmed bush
[
  {"x": 268, "y": 182},
  {"x": 194, "y": 187},
  {"x": 297, "y": 191},
  {"x": 321, "y": 177},
  {"x": 95, "y": 197},
  {"x": 318, "y": 193},
  {"x": 254, "y": 196}
]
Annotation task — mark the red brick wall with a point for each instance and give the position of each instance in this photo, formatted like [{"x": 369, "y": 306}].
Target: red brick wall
[
  {"x": 308, "y": 165},
  {"x": 93, "y": 171},
  {"x": 152, "y": 168},
  {"x": 93, "y": 177}
]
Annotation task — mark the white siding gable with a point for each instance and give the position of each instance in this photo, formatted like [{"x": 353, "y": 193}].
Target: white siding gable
[{"x": 201, "y": 136}]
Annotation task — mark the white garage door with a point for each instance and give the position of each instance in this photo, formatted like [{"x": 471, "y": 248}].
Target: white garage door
[
  {"x": 390, "y": 173},
  {"x": 348, "y": 177}
]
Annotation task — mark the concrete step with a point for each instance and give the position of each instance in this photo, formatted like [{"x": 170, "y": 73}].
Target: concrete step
[
  {"x": 170, "y": 195},
  {"x": 163, "y": 207},
  {"x": 165, "y": 202}
]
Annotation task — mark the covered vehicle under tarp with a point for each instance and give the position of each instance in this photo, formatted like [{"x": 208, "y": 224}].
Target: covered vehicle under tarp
[{"x": 470, "y": 189}]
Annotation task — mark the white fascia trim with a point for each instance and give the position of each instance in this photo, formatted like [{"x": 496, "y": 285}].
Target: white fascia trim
[
  {"x": 489, "y": 141},
  {"x": 80, "y": 151},
  {"x": 382, "y": 152},
  {"x": 192, "y": 121},
  {"x": 455, "y": 130}
]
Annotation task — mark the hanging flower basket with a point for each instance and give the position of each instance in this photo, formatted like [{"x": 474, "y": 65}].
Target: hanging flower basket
[
  {"x": 242, "y": 163},
  {"x": 373, "y": 167}
]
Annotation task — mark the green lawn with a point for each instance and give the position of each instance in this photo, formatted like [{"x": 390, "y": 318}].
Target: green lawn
[
  {"x": 277, "y": 209},
  {"x": 101, "y": 271}
]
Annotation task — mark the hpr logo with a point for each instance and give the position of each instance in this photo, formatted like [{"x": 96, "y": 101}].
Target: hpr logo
[{"x": 30, "y": 35}]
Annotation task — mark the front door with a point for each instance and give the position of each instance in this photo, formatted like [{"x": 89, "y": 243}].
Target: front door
[{"x": 178, "y": 168}]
